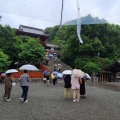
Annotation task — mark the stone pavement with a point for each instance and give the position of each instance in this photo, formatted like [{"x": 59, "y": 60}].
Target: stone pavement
[{"x": 47, "y": 103}]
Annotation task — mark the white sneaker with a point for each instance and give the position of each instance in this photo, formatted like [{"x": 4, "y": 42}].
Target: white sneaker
[
  {"x": 21, "y": 99},
  {"x": 74, "y": 100},
  {"x": 77, "y": 100},
  {"x": 8, "y": 100},
  {"x": 26, "y": 101}
]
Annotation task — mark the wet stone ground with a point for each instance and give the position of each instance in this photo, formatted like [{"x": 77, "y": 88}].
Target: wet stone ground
[{"x": 47, "y": 103}]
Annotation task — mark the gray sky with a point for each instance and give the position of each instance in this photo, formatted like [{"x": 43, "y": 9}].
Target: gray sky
[{"x": 46, "y": 13}]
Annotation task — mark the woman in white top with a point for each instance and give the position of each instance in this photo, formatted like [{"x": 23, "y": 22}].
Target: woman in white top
[{"x": 75, "y": 88}]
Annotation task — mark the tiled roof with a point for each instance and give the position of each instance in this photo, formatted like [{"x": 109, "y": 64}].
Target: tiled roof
[{"x": 33, "y": 30}]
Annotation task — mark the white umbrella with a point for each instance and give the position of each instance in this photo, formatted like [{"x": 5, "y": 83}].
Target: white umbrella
[
  {"x": 55, "y": 72},
  {"x": 59, "y": 65},
  {"x": 11, "y": 71},
  {"x": 67, "y": 72},
  {"x": 88, "y": 76},
  {"x": 28, "y": 67}
]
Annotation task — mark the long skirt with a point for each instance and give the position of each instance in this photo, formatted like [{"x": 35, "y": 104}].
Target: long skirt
[
  {"x": 82, "y": 88},
  {"x": 7, "y": 91}
]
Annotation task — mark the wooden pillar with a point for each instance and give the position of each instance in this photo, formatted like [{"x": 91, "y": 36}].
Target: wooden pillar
[
  {"x": 102, "y": 77},
  {"x": 107, "y": 77}
]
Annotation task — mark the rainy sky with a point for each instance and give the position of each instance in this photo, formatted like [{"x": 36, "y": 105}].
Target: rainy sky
[{"x": 47, "y": 13}]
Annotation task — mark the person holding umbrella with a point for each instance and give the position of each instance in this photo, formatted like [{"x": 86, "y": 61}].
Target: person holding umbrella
[
  {"x": 60, "y": 77},
  {"x": 8, "y": 84},
  {"x": 82, "y": 87},
  {"x": 8, "y": 87},
  {"x": 75, "y": 88},
  {"x": 3, "y": 77},
  {"x": 47, "y": 76},
  {"x": 75, "y": 81},
  {"x": 67, "y": 86},
  {"x": 24, "y": 83},
  {"x": 85, "y": 78},
  {"x": 44, "y": 76}
]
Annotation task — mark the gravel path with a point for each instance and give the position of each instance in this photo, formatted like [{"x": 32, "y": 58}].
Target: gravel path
[{"x": 47, "y": 103}]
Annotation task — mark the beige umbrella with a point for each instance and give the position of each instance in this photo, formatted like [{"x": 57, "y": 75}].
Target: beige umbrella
[{"x": 78, "y": 73}]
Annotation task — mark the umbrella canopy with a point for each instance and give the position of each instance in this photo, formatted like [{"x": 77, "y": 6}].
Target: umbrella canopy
[
  {"x": 47, "y": 73},
  {"x": 50, "y": 55},
  {"x": 78, "y": 73},
  {"x": 88, "y": 76},
  {"x": 55, "y": 72},
  {"x": 59, "y": 65},
  {"x": 28, "y": 67},
  {"x": 11, "y": 71},
  {"x": 67, "y": 72},
  {"x": 60, "y": 75}
]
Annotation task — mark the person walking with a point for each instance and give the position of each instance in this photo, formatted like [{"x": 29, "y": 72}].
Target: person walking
[
  {"x": 54, "y": 79},
  {"x": 3, "y": 77},
  {"x": 75, "y": 88},
  {"x": 82, "y": 87},
  {"x": 24, "y": 83},
  {"x": 47, "y": 74},
  {"x": 67, "y": 86},
  {"x": 8, "y": 87},
  {"x": 44, "y": 76}
]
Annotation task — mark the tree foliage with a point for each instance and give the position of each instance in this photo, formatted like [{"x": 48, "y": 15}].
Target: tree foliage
[
  {"x": 31, "y": 51},
  {"x": 4, "y": 62},
  {"x": 19, "y": 48},
  {"x": 101, "y": 45}
]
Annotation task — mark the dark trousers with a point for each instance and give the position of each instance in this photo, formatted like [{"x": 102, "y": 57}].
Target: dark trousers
[
  {"x": 24, "y": 93},
  {"x": 54, "y": 81},
  {"x": 82, "y": 87}
]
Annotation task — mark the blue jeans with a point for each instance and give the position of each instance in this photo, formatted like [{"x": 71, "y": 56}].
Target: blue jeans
[{"x": 24, "y": 93}]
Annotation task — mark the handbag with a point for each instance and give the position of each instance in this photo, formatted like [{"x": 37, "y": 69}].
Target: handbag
[
  {"x": 13, "y": 83},
  {"x": 44, "y": 79}
]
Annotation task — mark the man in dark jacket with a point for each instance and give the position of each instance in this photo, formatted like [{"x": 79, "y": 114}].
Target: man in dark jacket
[{"x": 67, "y": 86}]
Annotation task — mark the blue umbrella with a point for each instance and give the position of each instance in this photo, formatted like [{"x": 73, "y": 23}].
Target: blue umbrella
[
  {"x": 50, "y": 55},
  {"x": 45, "y": 72},
  {"x": 59, "y": 75},
  {"x": 55, "y": 72}
]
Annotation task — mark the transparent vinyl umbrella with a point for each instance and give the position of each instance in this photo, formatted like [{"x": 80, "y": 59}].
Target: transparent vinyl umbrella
[
  {"x": 28, "y": 67},
  {"x": 11, "y": 71},
  {"x": 67, "y": 72}
]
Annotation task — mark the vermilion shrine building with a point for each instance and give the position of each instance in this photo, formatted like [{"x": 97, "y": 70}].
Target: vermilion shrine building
[{"x": 33, "y": 32}]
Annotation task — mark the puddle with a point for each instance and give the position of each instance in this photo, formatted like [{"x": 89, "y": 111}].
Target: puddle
[{"x": 115, "y": 86}]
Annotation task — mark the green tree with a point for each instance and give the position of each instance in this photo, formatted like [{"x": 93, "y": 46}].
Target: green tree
[
  {"x": 91, "y": 68},
  {"x": 32, "y": 51},
  {"x": 4, "y": 61}
]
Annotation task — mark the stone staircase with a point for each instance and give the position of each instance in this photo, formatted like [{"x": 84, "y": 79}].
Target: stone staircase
[{"x": 58, "y": 62}]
